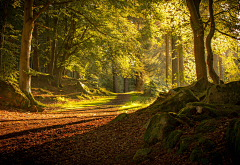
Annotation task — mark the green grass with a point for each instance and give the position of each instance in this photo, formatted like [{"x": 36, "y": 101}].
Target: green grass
[
  {"x": 68, "y": 105},
  {"x": 137, "y": 101}
]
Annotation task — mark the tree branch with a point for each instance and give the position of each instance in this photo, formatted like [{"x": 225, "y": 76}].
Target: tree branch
[
  {"x": 234, "y": 37},
  {"x": 87, "y": 20},
  {"x": 42, "y": 26},
  {"x": 40, "y": 12}
]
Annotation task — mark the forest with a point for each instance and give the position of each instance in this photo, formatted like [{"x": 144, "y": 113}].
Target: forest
[{"x": 119, "y": 82}]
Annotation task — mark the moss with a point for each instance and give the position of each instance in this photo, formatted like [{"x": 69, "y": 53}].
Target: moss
[
  {"x": 184, "y": 143},
  {"x": 202, "y": 148},
  {"x": 206, "y": 126},
  {"x": 233, "y": 139},
  {"x": 172, "y": 140},
  {"x": 120, "y": 117},
  {"x": 160, "y": 126}
]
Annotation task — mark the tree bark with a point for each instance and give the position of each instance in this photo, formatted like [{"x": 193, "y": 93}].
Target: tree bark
[
  {"x": 216, "y": 63},
  {"x": 139, "y": 81},
  {"x": 198, "y": 31},
  {"x": 125, "y": 85},
  {"x": 181, "y": 62},
  {"x": 221, "y": 72},
  {"x": 175, "y": 68},
  {"x": 115, "y": 79},
  {"x": 28, "y": 24},
  {"x": 2, "y": 36},
  {"x": 211, "y": 70},
  {"x": 54, "y": 46},
  {"x": 35, "y": 56},
  {"x": 167, "y": 57}
]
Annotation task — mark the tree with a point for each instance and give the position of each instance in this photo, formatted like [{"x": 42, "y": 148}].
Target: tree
[
  {"x": 198, "y": 32},
  {"x": 211, "y": 70},
  {"x": 175, "y": 65},
  {"x": 28, "y": 25}
]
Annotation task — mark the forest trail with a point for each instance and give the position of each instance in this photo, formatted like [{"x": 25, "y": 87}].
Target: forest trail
[{"x": 21, "y": 133}]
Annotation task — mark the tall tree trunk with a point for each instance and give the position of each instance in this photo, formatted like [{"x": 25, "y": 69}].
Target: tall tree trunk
[
  {"x": 211, "y": 70},
  {"x": 35, "y": 56},
  {"x": 198, "y": 31},
  {"x": 115, "y": 79},
  {"x": 221, "y": 71},
  {"x": 2, "y": 36},
  {"x": 139, "y": 81},
  {"x": 175, "y": 70},
  {"x": 167, "y": 56},
  {"x": 216, "y": 63},
  {"x": 28, "y": 24},
  {"x": 58, "y": 78},
  {"x": 181, "y": 62},
  {"x": 125, "y": 85},
  {"x": 48, "y": 41},
  {"x": 54, "y": 46}
]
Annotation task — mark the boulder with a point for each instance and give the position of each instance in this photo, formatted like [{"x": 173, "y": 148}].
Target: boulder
[
  {"x": 141, "y": 154},
  {"x": 172, "y": 140},
  {"x": 233, "y": 139},
  {"x": 120, "y": 117},
  {"x": 176, "y": 102},
  {"x": 205, "y": 152},
  {"x": 224, "y": 93},
  {"x": 160, "y": 126},
  {"x": 206, "y": 126},
  {"x": 199, "y": 86},
  {"x": 11, "y": 95}
]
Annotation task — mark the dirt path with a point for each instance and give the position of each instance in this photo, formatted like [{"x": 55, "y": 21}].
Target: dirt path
[{"x": 48, "y": 138}]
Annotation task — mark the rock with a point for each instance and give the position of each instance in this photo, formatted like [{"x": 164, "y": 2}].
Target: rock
[
  {"x": 178, "y": 101},
  {"x": 11, "y": 95},
  {"x": 199, "y": 111},
  {"x": 141, "y": 154},
  {"x": 184, "y": 142},
  {"x": 160, "y": 127},
  {"x": 233, "y": 139},
  {"x": 208, "y": 111},
  {"x": 224, "y": 93},
  {"x": 206, "y": 126},
  {"x": 120, "y": 117},
  {"x": 199, "y": 86},
  {"x": 204, "y": 152},
  {"x": 172, "y": 140}
]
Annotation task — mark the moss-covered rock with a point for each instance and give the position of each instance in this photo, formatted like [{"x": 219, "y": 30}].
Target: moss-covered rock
[
  {"x": 120, "y": 117},
  {"x": 176, "y": 102},
  {"x": 184, "y": 143},
  {"x": 202, "y": 111},
  {"x": 172, "y": 140},
  {"x": 206, "y": 126},
  {"x": 11, "y": 95},
  {"x": 204, "y": 152},
  {"x": 141, "y": 154},
  {"x": 233, "y": 139},
  {"x": 224, "y": 93},
  {"x": 160, "y": 126}
]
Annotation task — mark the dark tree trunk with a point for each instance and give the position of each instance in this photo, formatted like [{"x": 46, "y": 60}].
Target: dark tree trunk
[
  {"x": 211, "y": 70},
  {"x": 125, "y": 85},
  {"x": 181, "y": 62},
  {"x": 54, "y": 46},
  {"x": 139, "y": 81},
  {"x": 175, "y": 70},
  {"x": 115, "y": 80},
  {"x": 198, "y": 33},
  {"x": 167, "y": 57},
  {"x": 35, "y": 48},
  {"x": 2, "y": 36}
]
